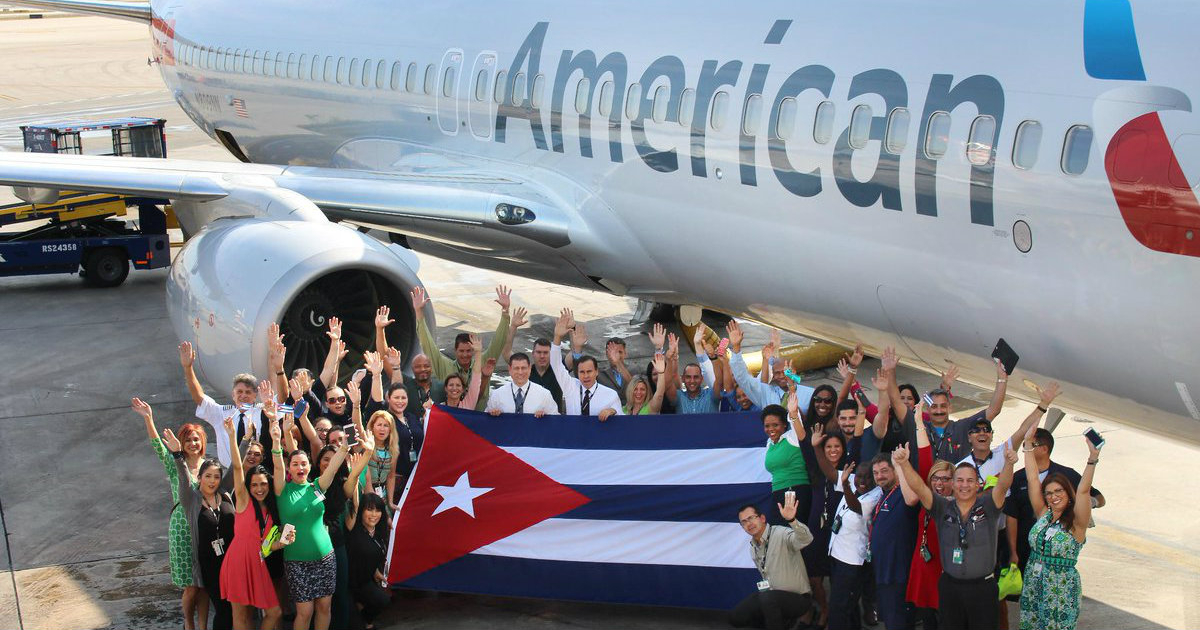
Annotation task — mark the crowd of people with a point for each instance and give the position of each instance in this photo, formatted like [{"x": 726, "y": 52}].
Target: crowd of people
[{"x": 884, "y": 512}]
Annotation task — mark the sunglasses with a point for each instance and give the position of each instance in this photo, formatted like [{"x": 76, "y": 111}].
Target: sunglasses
[
  {"x": 334, "y": 401},
  {"x": 975, "y": 430},
  {"x": 823, "y": 401}
]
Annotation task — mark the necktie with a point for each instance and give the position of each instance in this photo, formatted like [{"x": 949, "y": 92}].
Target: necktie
[
  {"x": 519, "y": 400},
  {"x": 241, "y": 428},
  {"x": 585, "y": 409}
]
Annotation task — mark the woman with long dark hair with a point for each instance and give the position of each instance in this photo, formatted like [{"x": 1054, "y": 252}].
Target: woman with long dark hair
[
  {"x": 179, "y": 533},
  {"x": 245, "y": 581},
  {"x": 367, "y": 543},
  {"x": 821, "y": 408}
]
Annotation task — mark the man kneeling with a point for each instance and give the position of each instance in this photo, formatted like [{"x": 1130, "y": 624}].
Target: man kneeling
[{"x": 783, "y": 594}]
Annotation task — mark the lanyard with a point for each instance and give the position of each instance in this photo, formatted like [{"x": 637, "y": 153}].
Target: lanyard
[
  {"x": 878, "y": 507},
  {"x": 515, "y": 391},
  {"x": 762, "y": 565}
]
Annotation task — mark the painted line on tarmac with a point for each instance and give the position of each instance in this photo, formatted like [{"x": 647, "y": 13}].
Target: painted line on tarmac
[
  {"x": 92, "y": 410},
  {"x": 4, "y": 110}
]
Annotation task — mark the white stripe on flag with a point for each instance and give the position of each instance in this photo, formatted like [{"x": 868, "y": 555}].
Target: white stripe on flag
[
  {"x": 721, "y": 545},
  {"x": 684, "y": 467}
]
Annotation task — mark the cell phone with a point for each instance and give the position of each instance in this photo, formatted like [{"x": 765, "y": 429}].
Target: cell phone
[
  {"x": 792, "y": 375},
  {"x": 1006, "y": 355},
  {"x": 288, "y": 528},
  {"x": 862, "y": 398},
  {"x": 1094, "y": 437},
  {"x": 348, "y": 429}
]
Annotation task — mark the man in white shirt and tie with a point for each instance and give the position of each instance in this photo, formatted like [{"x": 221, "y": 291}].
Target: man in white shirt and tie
[
  {"x": 582, "y": 396},
  {"x": 521, "y": 395},
  {"x": 247, "y": 415}
]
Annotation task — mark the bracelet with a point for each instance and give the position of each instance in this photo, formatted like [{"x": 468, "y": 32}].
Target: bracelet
[
  {"x": 279, "y": 373},
  {"x": 1001, "y": 380},
  {"x": 854, "y": 370},
  {"x": 278, "y": 451},
  {"x": 1026, "y": 450},
  {"x": 1042, "y": 409},
  {"x": 1093, "y": 462}
]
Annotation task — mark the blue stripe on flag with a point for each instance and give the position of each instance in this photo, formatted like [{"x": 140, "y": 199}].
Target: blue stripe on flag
[
  {"x": 693, "y": 504},
  {"x": 657, "y": 585},
  {"x": 717, "y": 430}
]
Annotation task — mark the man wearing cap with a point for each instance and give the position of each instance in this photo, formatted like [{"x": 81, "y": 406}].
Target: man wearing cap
[{"x": 989, "y": 460}]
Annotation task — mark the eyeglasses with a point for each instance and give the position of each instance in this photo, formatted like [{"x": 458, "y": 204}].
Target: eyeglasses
[
  {"x": 749, "y": 519},
  {"x": 821, "y": 400},
  {"x": 975, "y": 430},
  {"x": 1054, "y": 492},
  {"x": 336, "y": 400},
  {"x": 942, "y": 478},
  {"x": 323, "y": 430}
]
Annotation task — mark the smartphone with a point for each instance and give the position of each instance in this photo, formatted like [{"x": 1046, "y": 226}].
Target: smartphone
[
  {"x": 288, "y": 528},
  {"x": 862, "y": 398},
  {"x": 1006, "y": 355},
  {"x": 1094, "y": 437},
  {"x": 348, "y": 429}
]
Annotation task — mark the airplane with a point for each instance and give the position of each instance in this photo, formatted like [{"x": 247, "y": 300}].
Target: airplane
[{"x": 929, "y": 176}]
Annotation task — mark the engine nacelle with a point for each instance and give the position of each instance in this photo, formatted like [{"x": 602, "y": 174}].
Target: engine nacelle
[{"x": 237, "y": 276}]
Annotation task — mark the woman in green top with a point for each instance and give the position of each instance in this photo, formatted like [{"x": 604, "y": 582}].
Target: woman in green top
[
  {"x": 310, "y": 563},
  {"x": 179, "y": 533},
  {"x": 639, "y": 400},
  {"x": 786, "y": 459}
]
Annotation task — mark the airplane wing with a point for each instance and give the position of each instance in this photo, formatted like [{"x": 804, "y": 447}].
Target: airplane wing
[
  {"x": 136, "y": 11},
  {"x": 418, "y": 203}
]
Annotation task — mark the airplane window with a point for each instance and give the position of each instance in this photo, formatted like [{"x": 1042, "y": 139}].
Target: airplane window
[
  {"x": 481, "y": 85},
  {"x": 430, "y": 77},
  {"x": 248, "y": 62},
  {"x": 448, "y": 82},
  {"x": 258, "y": 62},
  {"x": 539, "y": 88},
  {"x": 501, "y": 85},
  {"x": 302, "y": 67},
  {"x": 342, "y": 66},
  {"x": 410, "y": 78},
  {"x": 291, "y": 66},
  {"x": 583, "y": 90},
  {"x": 606, "y": 93},
  {"x": 280, "y": 65},
  {"x": 785, "y": 121},
  {"x": 662, "y": 98},
  {"x": 329, "y": 69},
  {"x": 720, "y": 103},
  {"x": 687, "y": 107},
  {"x": 381, "y": 74},
  {"x": 979, "y": 142},
  {"x": 1077, "y": 149},
  {"x": 518, "y": 92},
  {"x": 219, "y": 60},
  {"x": 633, "y": 101},
  {"x": 237, "y": 60},
  {"x": 316, "y": 68},
  {"x": 752, "y": 114},
  {"x": 397, "y": 76},
  {"x": 823, "y": 123},
  {"x": 896, "y": 136},
  {"x": 860, "y": 126},
  {"x": 367, "y": 66},
  {"x": 937, "y": 137},
  {"x": 352, "y": 78},
  {"x": 210, "y": 58}
]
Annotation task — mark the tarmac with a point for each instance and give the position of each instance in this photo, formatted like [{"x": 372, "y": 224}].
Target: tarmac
[{"x": 84, "y": 502}]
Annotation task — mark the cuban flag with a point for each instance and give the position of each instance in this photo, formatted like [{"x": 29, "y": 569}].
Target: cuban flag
[{"x": 636, "y": 510}]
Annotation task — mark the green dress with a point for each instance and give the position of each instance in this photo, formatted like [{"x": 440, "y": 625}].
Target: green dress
[
  {"x": 179, "y": 534},
  {"x": 1052, "y": 593}
]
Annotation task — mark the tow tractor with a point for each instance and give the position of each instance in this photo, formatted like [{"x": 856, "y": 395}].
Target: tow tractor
[{"x": 87, "y": 232}]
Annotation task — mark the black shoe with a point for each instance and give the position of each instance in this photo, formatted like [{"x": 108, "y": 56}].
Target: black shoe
[{"x": 870, "y": 617}]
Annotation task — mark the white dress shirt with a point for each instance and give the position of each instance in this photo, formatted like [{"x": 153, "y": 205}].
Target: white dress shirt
[
  {"x": 537, "y": 398},
  {"x": 209, "y": 411},
  {"x": 573, "y": 391}
]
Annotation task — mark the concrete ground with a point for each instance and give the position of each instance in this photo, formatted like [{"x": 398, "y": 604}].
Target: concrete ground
[{"x": 84, "y": 501}]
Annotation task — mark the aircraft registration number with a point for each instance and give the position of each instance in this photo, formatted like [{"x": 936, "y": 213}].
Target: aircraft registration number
[{"x": 60, "y": 247}]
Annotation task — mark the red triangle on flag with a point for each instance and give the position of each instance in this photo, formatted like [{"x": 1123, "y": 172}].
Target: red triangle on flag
[{"x": 520, "y": 496}]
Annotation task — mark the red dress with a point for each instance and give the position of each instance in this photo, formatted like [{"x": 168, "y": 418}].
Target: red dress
[
  {"x": 923, "y": 576},
  {"x": 244, "y": 576}
]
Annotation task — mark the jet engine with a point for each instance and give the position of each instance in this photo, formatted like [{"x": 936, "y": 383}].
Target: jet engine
[{"x": 238, "y": 275}]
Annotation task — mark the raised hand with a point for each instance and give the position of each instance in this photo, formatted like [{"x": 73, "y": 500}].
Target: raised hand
[
  {"x": 353, "y": 393},
  {"x": 517, "y": 319},
  {"x": 1049, "y": 393},
  {"x": 489, "y": 366},
  {"x": 845, "y": 474},
  {"x": 660, "y": 363},
  {"x": 1093, "y": 452},
  {"x": 266, "y": 391},
  {"x": 170, "y": 441},
  {"x": 187, "y": 355},
  {"x": 275, "y": 431},
  {"x": 476, "y": 344},
  {"x": 672, "y": 345},
  {"x": 767, "y": 352},
  {"x": 610, "y": 351},
  {"x": 776, "y": 339},
  {"x": 843, "y": 369},
  {"x": 335, "y": 329},
  {"x": 818, "y": 435},
  {"x": 374, "y": 362},
  {"x": 856, "y": 357},
  {"x": 949, "y": 376},
  {"x": 419, "y": 300},
  {"x": 736, "y": 336},
  {"x": 658, "y": 336},
  {"x": 342, "y": 350},
  {"x": 880, "y": 380},
  {"x": 294, "y": 389},
  {"x": 141, "y": 408},
  {"x": 888, "y": 360},
  {"x": 393, "y": 358},
  {"x": 383, "y": 317},
  {"x": 788, "y": 509},
  {"x": 1010, "y": 456},
  {"x": 229, "y": 428},
  {"x": 305, "y": 382},
  {"x": 793, "y": 403},
  {"x": 579, "y": 336},
  {"x": 698, "y": 338},
  {"x": 563, "y": 324},
  {"x": 503, "y": 297},
  {"x": 268, "y": 407},
  {"x": 900, "y": 456}
]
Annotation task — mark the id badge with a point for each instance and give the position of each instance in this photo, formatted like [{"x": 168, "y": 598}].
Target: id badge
[
  {"x": 379, "y": 491},
  {"x": 867, "y": 558},
  {"x": 957, "y": 556},
  {"x": 218, "y": 546},
  {"x": 317, "y": 492},
  {"x": 764, "y": 585},
  {"x": 837, "y": 524},
  {"x": 925, "y": 555},
  {"x": 412, "y": 455}
]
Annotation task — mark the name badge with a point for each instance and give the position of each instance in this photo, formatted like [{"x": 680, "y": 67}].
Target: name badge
[
  {"x": 218, "y": 546},
  {"x": 925, "y": 555},
  {"x": 320, "y": 495},
  {"x": 837, "y": 524},
  {"x": 957, "y": 556},
  {"x": 764, "y": 585},
  {"x": 412, "y": 455}
]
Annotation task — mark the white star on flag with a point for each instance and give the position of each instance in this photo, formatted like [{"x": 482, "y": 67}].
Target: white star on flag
[{"x": 461, "y": 495}]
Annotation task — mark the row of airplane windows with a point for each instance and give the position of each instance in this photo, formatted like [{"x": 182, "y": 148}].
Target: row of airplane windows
[{"x": 377, "y": 73}]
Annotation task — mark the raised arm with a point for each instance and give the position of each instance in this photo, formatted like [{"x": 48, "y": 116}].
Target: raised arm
[
  {"x": 276, "y": 432},
  {"x": 1048, "y": 394},
  {"x": 374, "y": 365},
  {"x": 888, "y": 362},
  {"x": 998, "y": 394},
  {"x": 556, "y": 361},
  {"x": 358, "y": 462},
  {"x": 442, "y": 365},
  {"x": 848, "y": 368},
  {"x": 383, "y": 319},
  {"x": 755, "y": 390},
  {"x": 919, "y": 424},
  {"x": 911, "y": 485},
  {"x": 241, "y": 497},
  {"x": 480, "y": 371},
  {"x": 306, "y": 426},
  {"x": 826, "y": 466},
  {"x": 333, "y": 359},
  {"x": 335, "y": 464},
  {"x": 767, "y": 354},
  {"x": 502, "y": 338},
  {"x": 276, "y": 352},
  {"x": 1032, "y": 479},
  {"x": 794, "y": 416},
  {"x": 187, "y": 358},
  {"x": 183, "y": 476},
  {"x": 884, "y": 416},
  {"x": 852, "y": 501},
  {"x": 354, "y": 396},
  {"x": 1083, "y": 504},
  {"x": 799, "y": 536},
  {"x": 143, "y": 409},
  {"x": 516, "y": 322},
  {"x": 1004, "y": 481},
  {"x": 656, "y": 400}
]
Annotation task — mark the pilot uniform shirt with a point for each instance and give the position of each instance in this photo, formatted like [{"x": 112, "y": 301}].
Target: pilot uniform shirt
[
  {"x": 977, "y": 537},
  {"x": 209, "y": 411},
  {"x": 537, "y": 398},
  {"x": 574, "y": 393},
  {"x": 849, "y": 543},
  {"x": 892, "y": 536}
]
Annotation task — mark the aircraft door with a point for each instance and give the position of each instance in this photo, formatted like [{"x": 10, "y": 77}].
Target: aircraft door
[
  {"x": 448, "y": 80},
  {"x": 482, "y": 84}
]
